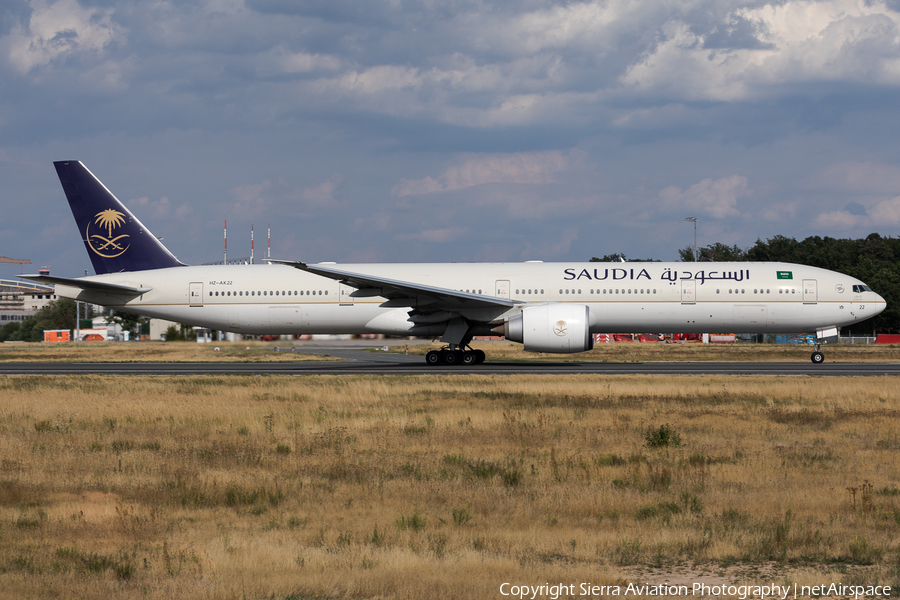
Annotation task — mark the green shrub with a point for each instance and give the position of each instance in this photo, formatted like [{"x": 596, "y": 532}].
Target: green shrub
[{"x": 663, "y": 436}]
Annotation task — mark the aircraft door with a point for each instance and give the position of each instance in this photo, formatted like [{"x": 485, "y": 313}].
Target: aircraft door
[
  {"x": 344, "y": 297},
  {"x": 501, "y": 289},
  {"x": 195, "y": 293},
  {"x": 810, "y": 291},
  {"x": 688, "y": 291}
]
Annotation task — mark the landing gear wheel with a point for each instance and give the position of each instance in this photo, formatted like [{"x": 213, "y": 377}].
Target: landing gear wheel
[
  {"x": 469, "y": 358},
  {"x": 479, "y": 356},
  {"x": 452, "y": 358},
  {"x": 433, "y": 358},
  {"x": 817, "y": 357}
]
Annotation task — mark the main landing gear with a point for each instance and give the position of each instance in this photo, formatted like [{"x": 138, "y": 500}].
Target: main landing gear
[
  {"x": 817, "y": 357},
  {"x": 457, "y": 356}
]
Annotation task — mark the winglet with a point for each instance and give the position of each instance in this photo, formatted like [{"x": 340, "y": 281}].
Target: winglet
[{"x": 290, "y": 263}]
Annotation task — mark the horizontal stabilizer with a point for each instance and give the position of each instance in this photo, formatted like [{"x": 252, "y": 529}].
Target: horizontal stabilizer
[{"x": 89, "y": 285}]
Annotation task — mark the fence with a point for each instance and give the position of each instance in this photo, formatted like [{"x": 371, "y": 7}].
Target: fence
[{"x": 863, "y": 339}]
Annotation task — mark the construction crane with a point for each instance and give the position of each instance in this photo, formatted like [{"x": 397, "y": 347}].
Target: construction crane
[{"x": 21, "y": 261}]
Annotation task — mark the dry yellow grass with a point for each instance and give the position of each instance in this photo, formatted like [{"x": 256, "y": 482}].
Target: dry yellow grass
[
  {"x": 151, "y": 352},
  {"x": 439, "y": 486},
  {"x": 655, "y": 352}
]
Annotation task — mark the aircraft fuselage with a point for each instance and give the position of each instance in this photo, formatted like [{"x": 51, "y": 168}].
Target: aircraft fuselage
[{"x": 622, "y": 297}]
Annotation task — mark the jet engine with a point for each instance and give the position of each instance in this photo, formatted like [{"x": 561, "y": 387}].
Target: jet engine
[{"x": 554, "y": 327}]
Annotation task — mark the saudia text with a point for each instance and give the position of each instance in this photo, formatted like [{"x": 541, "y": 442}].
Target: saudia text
[{"x": 618, "y": 274}]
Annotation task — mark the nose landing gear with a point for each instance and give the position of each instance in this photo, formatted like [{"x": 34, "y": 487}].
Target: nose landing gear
[{"x": 817, "y": 357}]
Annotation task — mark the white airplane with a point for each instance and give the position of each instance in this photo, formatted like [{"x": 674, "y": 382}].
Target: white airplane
[{"x": 548, "y": 307}]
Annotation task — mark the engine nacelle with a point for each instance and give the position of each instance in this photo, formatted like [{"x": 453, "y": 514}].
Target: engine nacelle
[{"x": 557, "y": 328}]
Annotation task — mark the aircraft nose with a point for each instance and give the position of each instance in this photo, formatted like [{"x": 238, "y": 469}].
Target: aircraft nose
[{"x": 881, "y": 303}]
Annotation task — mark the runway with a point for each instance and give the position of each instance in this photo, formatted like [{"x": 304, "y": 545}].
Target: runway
[{"x": 359, "y": 361}]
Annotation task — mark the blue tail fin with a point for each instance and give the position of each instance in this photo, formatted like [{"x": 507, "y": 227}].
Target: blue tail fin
[{"x": 115, "y": 240}]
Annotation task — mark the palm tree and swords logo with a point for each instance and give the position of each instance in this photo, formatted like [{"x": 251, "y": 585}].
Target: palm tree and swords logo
[
  {"x": 560, "y": 328},
  {"x": 109, "y": 246}
]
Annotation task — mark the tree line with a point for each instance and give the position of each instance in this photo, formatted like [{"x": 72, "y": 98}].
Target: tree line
[{"x": 59, "y": 314}]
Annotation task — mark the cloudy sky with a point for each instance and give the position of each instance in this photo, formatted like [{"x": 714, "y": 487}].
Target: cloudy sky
[{"x": 454, "y": 130}]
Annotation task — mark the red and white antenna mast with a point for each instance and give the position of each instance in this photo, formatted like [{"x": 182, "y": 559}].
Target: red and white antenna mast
[
  {"x": 251, "y": 243},
  {"x": 225, "y": 255},
  {"x": 269, "y": 241}
]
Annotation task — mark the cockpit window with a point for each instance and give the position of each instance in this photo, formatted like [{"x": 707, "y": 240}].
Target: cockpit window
[{"x": 861, "y": 288}]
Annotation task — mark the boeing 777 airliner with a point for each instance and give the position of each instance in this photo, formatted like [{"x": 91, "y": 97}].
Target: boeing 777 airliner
[{"x": 548, "y": 307}]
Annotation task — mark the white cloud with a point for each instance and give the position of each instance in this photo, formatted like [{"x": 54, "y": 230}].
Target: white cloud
[
  {"x": 60, "y": 29},
  {"x": 781, "y": 212},
  {"x": 303, "y": 62},
  {"x": 594, "y": 27},
  {"x": 159, "y": 209},
  {"x": 534, "y": 168},
  {"x": 858, "y": 178},
  {"x": 798, "y": 41},
  {"x": 838, "y": 220},
  {"x": 717, "y": 199},
  {"x": 250, "y": 199},
  {"x": 886, "y": 212},
  {"x": 322, "y": 195},
  {"x": 381, "y": 78},
  {"x": 281, "y": 60},
  {"x": 878, "y": 216}
]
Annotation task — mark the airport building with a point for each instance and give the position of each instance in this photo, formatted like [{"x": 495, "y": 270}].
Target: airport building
[{"x": 20, "y": 300}]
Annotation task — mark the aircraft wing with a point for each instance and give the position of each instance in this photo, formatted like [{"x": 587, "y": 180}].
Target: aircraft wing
[
  {"x": 403, "y": 293},
  {"x": 87, "y": 284}
]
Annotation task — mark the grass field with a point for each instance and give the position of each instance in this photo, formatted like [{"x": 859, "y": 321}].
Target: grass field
[
  {"x": 151, "y": 352},
  {"x": 442, "y": 486}
]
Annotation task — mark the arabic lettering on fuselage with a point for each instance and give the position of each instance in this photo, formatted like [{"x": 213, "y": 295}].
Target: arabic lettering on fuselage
[{"x": 668, "y": 274}]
